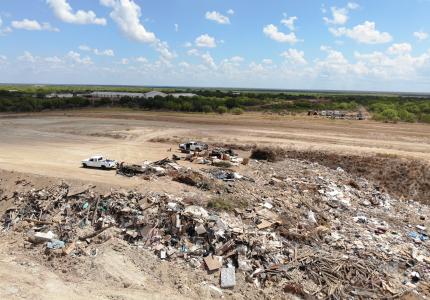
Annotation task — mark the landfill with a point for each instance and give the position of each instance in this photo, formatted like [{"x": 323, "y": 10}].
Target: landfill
[{"x": 294, "y": 227}]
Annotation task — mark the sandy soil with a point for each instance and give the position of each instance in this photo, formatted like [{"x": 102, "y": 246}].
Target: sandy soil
[{"x": 53, "y": 144}]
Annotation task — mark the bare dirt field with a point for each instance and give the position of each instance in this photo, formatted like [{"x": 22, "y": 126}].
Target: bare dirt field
[
  {"x": 53, "y": 144},
  {"x": 43, "y": 152}
]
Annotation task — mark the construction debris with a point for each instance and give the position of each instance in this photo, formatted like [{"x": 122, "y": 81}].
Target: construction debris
[
  {"x": 228, "y": 277},
  {"x": 312, "y": 233}
]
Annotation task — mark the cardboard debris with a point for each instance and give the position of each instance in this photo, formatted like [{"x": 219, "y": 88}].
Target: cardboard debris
[
  {"x": 264, "y": 224},
  {"x": 213, "y": 262}
]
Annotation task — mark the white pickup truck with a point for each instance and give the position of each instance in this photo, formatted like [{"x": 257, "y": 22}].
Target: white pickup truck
[
  {"x": 193, "y": 146},
  {"x": 98, "y": 161}
]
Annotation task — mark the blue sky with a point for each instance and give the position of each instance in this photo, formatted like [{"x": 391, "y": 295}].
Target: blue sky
[{"x": 381, "y": 45}]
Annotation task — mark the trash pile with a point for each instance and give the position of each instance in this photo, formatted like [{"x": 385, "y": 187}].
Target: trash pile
[
  {"x": 203, "y": 179},
  {"x": 219, "y": 157},
  {"x": 305, "y": 230},
  {"x": 158, "y": 168}
]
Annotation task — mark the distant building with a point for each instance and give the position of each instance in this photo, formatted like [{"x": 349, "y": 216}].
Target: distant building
[
  {"x": 188, "y": 95},
  {"x": 118, "y": 95},
  {"x": 115, "y": 95},
  {"x": 55, "y": 95},
  {"x": 154, "y": 94}
]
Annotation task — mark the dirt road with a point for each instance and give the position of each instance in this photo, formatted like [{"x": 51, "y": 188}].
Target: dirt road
[{"x": 53, "y": 144}]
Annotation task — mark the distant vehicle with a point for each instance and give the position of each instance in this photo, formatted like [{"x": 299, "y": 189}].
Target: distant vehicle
[
  {"x": 100, "y": 162},
  {"x": 193, "y": 146}
]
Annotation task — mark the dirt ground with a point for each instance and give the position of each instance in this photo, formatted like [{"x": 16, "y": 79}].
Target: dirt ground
[
  {"x": 38, "y": 150},
  {"x": 53, "y": 144}
]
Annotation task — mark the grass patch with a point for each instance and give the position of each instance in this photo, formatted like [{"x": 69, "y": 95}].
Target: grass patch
[{"x": 226, "y": 203}]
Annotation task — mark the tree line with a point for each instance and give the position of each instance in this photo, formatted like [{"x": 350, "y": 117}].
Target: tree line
[{"x": 383, "y": 108}]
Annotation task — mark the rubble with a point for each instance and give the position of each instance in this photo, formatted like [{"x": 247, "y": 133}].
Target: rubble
[
  {"x": 228, "y": 277},
  {"x": 315, "y": 235},
  {"x": 41, "y": 237},
  {"x": 158, "y": 168}
]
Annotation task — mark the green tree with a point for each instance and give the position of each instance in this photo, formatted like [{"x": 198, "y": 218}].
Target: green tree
[
  {"x": 390, "y": 115},
  {"x": 207, "y": 109}
]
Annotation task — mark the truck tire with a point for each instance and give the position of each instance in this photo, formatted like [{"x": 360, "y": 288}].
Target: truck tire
[
  {"x": 103, "y": 167},
  {"x": 84, "y": 166}
]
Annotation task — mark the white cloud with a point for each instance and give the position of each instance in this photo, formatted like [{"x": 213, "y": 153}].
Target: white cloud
[
  {"x": 54, "y": 60},
  {"x": 64, "y": 12},
  {"x": 230, "y": 12},
  {"x": 3, "y": 60},
  {"x": 353, "y": 5},
  {"x": 163, "y": 49},
  {"x": 207, "y": 58},
  {"x": 193, "y": 52},
  {"x": 184, "y": 64},
  {"x": 421, "y": 35},
  {"x": 126, "y": 14},
  {"x": 107, "y": 52},
  {"x": 236, "y": 59},
  {"x": 401, "y": 66},
  {"x": 340, "y": 15},
  {"x": 107, "y": 2},
  {"x": 272, "y": 32},
  {"x": 294, "y": 56},
  {"x": 125, "y": 61},
  {"x": 267, "y": 61},
  {"x": 400, "y": 49},
  {"x": 76, "y": 58},
  {"x": 142, "y": 59},
  {"x": 334, "y": 64},
  {"x": 27, "y": 57},
  {"x": 176, "y": 27},
  {"x": 289, "y": 22},
  {"x": 84, "y": 48},
  {"x": 217, "y": 17},
  {"x": 205, "y": 41},
  {"x": 365, "y": 33},
  {"x": 27, "y": 24}
]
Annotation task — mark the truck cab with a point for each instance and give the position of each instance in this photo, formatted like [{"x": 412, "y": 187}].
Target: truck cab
[
  {"x": 98, "y": 161},
  {"x": 193, "y": 146}
]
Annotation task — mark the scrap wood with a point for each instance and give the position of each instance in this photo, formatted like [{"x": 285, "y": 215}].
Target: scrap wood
[
  {"x": 94, "y": 234},
  {"x": 38, "y": 222}
]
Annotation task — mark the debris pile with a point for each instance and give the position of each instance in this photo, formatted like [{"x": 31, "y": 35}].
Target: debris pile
[
  {"x": 219, "y": 157},
  {"x": 305, "y": 229},
  {"x": 158, "y": 168}
]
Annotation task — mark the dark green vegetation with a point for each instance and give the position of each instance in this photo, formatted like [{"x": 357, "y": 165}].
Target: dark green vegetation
[{"x": 384, "y": 107}]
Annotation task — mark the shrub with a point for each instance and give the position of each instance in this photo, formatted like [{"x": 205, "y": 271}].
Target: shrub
[
  {"x": 406, "y": 116},
  {"x": 271, "y": 154},
  {"x": 207, "y": 109},
  {"x": 425, "y": 118},
  {"x": 387, "y": 115},
  {"x": 221, "y": 110},
  {"x": 237, "y": 111}
]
